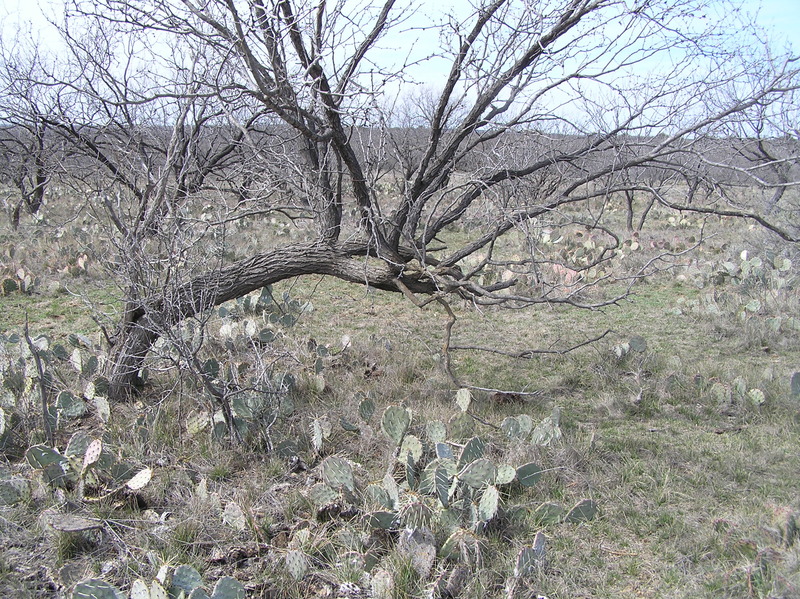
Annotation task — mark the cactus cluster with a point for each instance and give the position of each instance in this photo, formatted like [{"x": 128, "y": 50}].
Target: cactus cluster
[
  {"x": 271, "y": 311},
  {"x": 21, "y": 281},
  {"x": 184, "y": 582},
  {"x": 86, "y": 462},
  {"x": 438, "y": 495}
]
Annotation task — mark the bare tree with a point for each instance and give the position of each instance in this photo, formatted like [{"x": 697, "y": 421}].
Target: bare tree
[
  {"x": 28, "y": 157},
  {"x": 545, "y": 112}
]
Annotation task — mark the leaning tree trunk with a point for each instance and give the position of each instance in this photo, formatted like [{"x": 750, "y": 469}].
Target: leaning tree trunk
[{"x": 145, "y": 322}]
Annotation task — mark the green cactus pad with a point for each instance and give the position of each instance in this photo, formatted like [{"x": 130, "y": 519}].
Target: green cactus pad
[
  {"x": 411, "y": 445},
  {"x": 442, "y": 480},
  {"x": 638, "y": 344},
  {"x": 756, "y": 397},
  {"x": 199, "y": 593},
  {"x": 186, "y": 579},
  {"x": 139, "y": 590},
  {"x": 296, "y": 564},
  {"x": 13, "y": 491},
  {"x": 41, "y": 456},
  {"x": 585, "y": 509},
  {"x": 322, "y": 495},
  {"x": 436, "y": 431},
  {"x": 444, "y": 452},
  {"x": 228, "y": 588},
  {"x": 510, "y": 426},
  {"x": 8, "y": 286},
  {"x": 462, "y": 545},
  {"x": 416, "y": 515},
  {"x": 525, "y": 424},
  {"x": 94, "y": 588},
  {"x": 461, "y": 426},
  {"x": 337, "y": 473},
  {"x": 70, "y": 406},
  {"x": 392, "y": 490},
  {"x": 549, "y": 513},
  {"x": 366, "y": 409},
  {"x": 547, "y": 430},
  {"x": 382, "y": 520},
  {"x": 395, "y": 422},
  {"x": 487, "y": 507},
  {"x": 77, "y": 444},
  {"x": 463, "y": 399},
  {"x": 412, "y": 475},
  {"x": 471, "y": 452},
  {"x": 530, "y": 559},
  {"x": 348, "y": 426},
  {"x": 478, "y": 473},
  {"x": 740, "y": 386},
  {"x": 377, "y": 496},
  {"x": 529, "y": 474},
  {"x": 505, "y": 474},
  {"x": 794, "y": 385}
]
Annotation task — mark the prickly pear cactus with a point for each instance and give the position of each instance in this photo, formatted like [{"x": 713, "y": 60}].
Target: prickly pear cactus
[
  {"x": 94, "y": 588},
  {"x": 296, "y": 564},
  {"x": 366, "y": 409},
  {"x": 228, "y": 588},
  {"x": 322, "y": 495},
  {"x": 487, "y": 507},
  {"x": 585, "y": 509},
  {"x": 14, "y": 490},
  {"x": 436, "y": 431},
  {"x": 337, "y": 473},
  {"x": 478, "y": 473},
  {"x": 463, "y": 399},
  {"x": 505, "y": 474},
  {"x": 411, "y": 446},
  {"x": 529, "y": 474},
  {"x": 395, "y": 423},
  {"x": 471, "y": 452},
  {"x": 530, "y": 559},
  {"x": 442, "y": 482},
  {"x": 186, "y": 579},
  {"x": 795, "y": 385}
]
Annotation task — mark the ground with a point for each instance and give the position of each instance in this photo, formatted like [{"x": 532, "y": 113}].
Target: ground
[{"x": 680, "y": 429}]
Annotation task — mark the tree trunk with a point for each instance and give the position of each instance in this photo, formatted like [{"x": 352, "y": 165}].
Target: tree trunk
[
  {"x": 144, "y": 323},
  {"x": 629, "y": 212}
]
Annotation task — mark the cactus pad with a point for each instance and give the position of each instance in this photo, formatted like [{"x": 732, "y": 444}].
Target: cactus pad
[
  {"x": 471, "y": 452},
  {"x": 505, "y": 474},
  {"x": 411, "y": 445},
  {"x": 585, "y": 509},
  {"x": 395, "y": 422},
  {"x": 94, "y": 588},
  {"x": 529, "y": 474},
  {"x": 296, "y": 564},
  {"x": 436, "y": 431},
  {"x": 337, "y": 473},
  {"x": 478, "y": 473},
  {"x": 186, "y": 579},
  {"x": 487, "y": 507},
  {"x": 463, "y": 399}
]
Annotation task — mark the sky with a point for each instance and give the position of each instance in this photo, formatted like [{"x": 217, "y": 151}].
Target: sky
[{"x": 779, "y": 18}]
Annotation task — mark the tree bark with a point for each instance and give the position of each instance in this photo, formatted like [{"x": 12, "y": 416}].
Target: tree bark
[{"x": 145, "y": 322}]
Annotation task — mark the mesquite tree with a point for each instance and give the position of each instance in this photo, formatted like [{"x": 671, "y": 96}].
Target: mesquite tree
[
  {"x": 535, "y": 115},
  {"x": 28, "y": 157}
]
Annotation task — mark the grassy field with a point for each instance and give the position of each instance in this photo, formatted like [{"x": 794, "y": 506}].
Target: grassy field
[{"x": 681, "y": 425}]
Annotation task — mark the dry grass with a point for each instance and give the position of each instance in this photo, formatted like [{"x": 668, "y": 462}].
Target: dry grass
[{"x": 696, "y": 485}]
